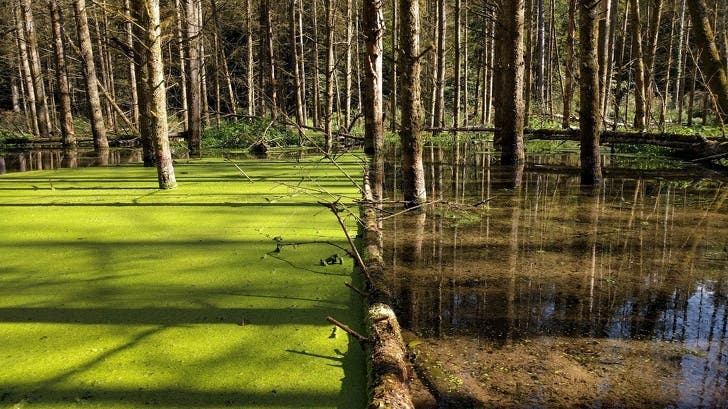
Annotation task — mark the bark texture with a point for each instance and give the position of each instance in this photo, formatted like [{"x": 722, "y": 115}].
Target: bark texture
[
  {"x": 589, "y": 123},
  {"x": 509, "y": 81},
  {"x": 373, "y": 30},
  {"x": 64, "y": 92},
  {"x": 413, "y": 173}
]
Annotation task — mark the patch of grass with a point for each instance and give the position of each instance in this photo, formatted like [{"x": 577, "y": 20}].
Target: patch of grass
[
  {"x": 114, "y": 294},
  {"x": 245, "y": 132}
]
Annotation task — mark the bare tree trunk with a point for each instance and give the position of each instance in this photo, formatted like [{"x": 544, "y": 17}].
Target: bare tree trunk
[
  {"x": 15, "y": 94},
  {"x": 98, "y": 127},
  {"x": 394, "y": 89},
  {"x": 348, "y": 67},
  {"x": 654, "y": 34},
  {"x": 316, "y": 109},
  {"x": 589, "y": 123},
  {"x": 509, "y": 71},
  {"x": 41, "y": 101},
  {"x": 458, "y": 65},
  {"x": 677, "y": 94},
  {"x": 569, "y": 80},
  {"x": 232, "y": 101},
  {"x": 181, "y": 41},
  {"x": 194, "y": 77},
  {"x": 203, "y": 69},
  {"x": 249, "y": 75},
  {"x": 67, "y": 131},
  {"x": 540, "y": 59},
  {"x": 614, "y": 15},
  {"x": 29, "y": 94},
  {"x": 373, "y": 30},
  {"x": 149, "y": 50},
  {"x": 295, "y": 63},
  {"x": 328, "y": 113},
  {"x": 668, "y": 70},
  {"x": 132, "y": 68},
  {"x": 302, "y": 61},
  {"x": 440, "y": 82},
  {"x": 529, "y": 34},
  {"x": 604, "y": 46},
  {"x": 413, "y": 173},
  {"x": 712, "y": 65},
  {"x": 639, "y": 67}
]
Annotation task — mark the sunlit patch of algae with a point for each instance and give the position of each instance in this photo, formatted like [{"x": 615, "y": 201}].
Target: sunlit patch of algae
[{"x": 114, "y": 294}]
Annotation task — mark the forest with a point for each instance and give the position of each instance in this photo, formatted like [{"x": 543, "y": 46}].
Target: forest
[{"x": 529, "y": 197}]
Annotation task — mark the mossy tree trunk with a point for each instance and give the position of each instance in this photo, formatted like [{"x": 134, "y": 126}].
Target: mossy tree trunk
[{"x": 413, "y": 173}]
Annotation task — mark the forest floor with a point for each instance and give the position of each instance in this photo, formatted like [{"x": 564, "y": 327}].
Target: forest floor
[{"x": 114, "y": 294}]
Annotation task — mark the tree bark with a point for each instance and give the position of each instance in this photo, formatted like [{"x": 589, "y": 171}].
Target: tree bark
[
  {"x": 569, "y": 80},
  {"x": 149, "y": 48},
  {"x": 509, "y": 71},
  {"x": 440, "y": 71},
  {"x": 132, "y": 68},
  {"x": 712, "y": 65},
  {"x": 41, "y": 101},
  {"x": 295, "y": 63},
  {"x": 329, "y": 108},
  {"x": 458, "y": 66},
  {"x": 249, "y": 60},
  {"x": 98, "y": 127},
  {"x": 29, "y": 94},
  {"x": 413, "y": 173},
  {"x": 639, "y": 67},
  {"x": 64, "y": 92},
  {"x": 194, "y": 77},
  {"x": 589, "y": 123},
  {"x": 373, "y": 30}
]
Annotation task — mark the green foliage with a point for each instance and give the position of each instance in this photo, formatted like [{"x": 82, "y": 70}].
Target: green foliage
[
  {"x": 245, "y": 132},
  {"x": 117, "y": 295}
]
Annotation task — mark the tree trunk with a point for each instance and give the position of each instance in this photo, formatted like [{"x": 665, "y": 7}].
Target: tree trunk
[
  {"x": 316, "y": 109},
  {"x": 194, "y": 78},
  {"x": 179, "y": 12},
  {"x": 677, "y": 94},
  {"x": 373, "y": 30},
  {"x": 509, "y": 71},
  {"x": 266, "y": 19},
  {"x": 132, "y": 69},
  {"x": 149, "y": 48},
  {"x": 348, "y": 67},
  {"x": 64, "y": 91},
  {"x": 98, "y": 127},
  {"x": 41, "y": 102},
  {"x": 394, "y": 89},
  {"x": 249, "y": 60},
  {"x": 29, "y": 94},
  {"x": 569, "y": 80},
  {"x": 329, "y": 109},
  {"x": 712, "y": 65},
  {"x": 540, "y": 59},
  {"x": 591, "y": 170},
  {"x": 15, "y": 94},
  {"x": 458, "y": 65},
  {"x": 295, "y": 64},
  {"x": 413, "y": 173},
  {"x": 604, "y": 46},
  {"x": 654, "y": 34},
  {"x": 639, "y": 67},
  {"x": 440, "y": 81}
]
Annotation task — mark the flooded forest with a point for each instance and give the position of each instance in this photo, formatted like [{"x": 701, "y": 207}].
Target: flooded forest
[{"x": 539, "y": 191}]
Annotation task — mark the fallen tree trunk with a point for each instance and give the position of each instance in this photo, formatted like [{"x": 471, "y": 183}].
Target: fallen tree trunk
[{"x": 388, "y": 367}]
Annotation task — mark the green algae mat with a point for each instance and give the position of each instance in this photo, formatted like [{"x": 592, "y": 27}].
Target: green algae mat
[{"x": 114, "y": 294}]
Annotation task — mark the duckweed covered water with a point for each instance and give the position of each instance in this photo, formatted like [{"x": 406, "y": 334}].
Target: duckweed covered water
[{"x": 114, "y": 294}]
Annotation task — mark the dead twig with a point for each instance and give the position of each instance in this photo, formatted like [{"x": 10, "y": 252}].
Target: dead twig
[
  {"x": 335, "y": 210},
  {"x": 356, "y": 290},
  {"x": 361, "y": 338}
]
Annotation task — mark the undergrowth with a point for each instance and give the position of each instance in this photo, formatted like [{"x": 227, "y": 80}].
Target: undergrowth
[{"x": 247, "y": 131}]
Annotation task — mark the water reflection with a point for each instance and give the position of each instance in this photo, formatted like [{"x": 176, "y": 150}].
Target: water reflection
[
  {"x": 49, "y": 159},
  {"x": 512, "y": 254}
]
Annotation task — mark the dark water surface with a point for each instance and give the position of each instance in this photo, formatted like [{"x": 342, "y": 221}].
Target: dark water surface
[{"x": 532, "y": 292}]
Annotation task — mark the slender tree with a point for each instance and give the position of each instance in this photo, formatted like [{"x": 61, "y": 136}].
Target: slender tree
[
  {"x": 569, "y": 78},
  {"x": 413, "y": 173},
  {"x": 41, "y": 101},
  {"x": 66, "y": 116},
  {"x": 640, "y": 115},
  {"x": 149, "y": 49},
  {"x": 373, "y": 30},
  {"x": 194, "y": 76},
  {"x": 589, "y": 112},
  {"x": 98, "y": 126},
  {"x": 330, "y": 67}
]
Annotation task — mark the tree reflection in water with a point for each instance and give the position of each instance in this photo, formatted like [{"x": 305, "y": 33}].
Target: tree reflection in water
[{"x": 640, "y": 263}]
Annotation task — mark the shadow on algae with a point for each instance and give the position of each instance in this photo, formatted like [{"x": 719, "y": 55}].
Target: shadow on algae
[{"x": 114, "y": 294}]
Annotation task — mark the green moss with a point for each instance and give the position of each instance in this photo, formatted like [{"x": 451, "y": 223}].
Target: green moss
[{"x": 114, "y": 294}]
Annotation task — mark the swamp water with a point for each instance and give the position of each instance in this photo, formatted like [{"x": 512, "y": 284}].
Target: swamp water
[{"x": 519, "y": 289}]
